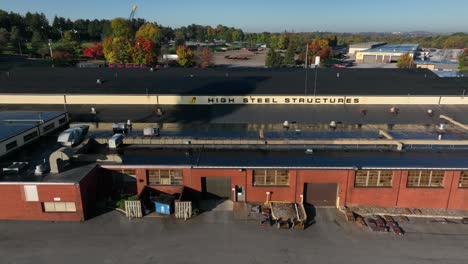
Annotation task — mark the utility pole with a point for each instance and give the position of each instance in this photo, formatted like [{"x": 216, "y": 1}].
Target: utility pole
[
  {"x": 306, "y": 69},
  {"x": 50, "y": 48},
  {"x": 19, "y": 46}
]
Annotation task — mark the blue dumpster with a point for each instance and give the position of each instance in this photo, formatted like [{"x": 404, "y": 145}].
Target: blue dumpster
[{"x": 163, "y": 204}]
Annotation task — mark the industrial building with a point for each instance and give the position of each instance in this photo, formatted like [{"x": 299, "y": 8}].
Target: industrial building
[
  {"x": 354, "y": 48},
  {"x": 386, "y": 54},
  {"x": 393, "y": 138},
  {"x": 18, "y": 128},
  {"x": 438, "y": 65}
]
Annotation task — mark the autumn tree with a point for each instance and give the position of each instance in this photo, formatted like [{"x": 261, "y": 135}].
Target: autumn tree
[
  {"x": 93, "y": 51},
  {"x": 144, "y": 52},
  {"x": 117, "y": 49},
  {"x": 121, "y": 28},
  {"x": 204, "y": 57},
  {"x": 184, "y": 56},
  {"x": 320, "y": 47},
  {"x": 149, "y": 31},
  {"x": 406, "y": 62}
]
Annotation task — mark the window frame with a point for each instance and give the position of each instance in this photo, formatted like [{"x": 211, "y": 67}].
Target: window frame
[
  {"x": 11, "y": 145},
  {"x": 267, "y": 174},
  {"x": 67, "y": 205},
  {"x": 48, "y": 127},
  {"x": 28, "y": 137},
  {"x": 378, "y": 181},
  {"x": 463, "y": 182},
  {"x": 171, "y": 174},
  {"x": 430, "y": 180}
]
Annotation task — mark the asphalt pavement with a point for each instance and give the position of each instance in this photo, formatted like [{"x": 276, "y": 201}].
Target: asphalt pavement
[{"x": 215, "y": 237}]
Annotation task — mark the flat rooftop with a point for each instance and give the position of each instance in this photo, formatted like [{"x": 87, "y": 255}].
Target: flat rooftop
[
  {"x": 228, "y": 81},
  {"x": 367, "y": 44},
  {"x": 13, "y": 123},
  {"x": 296, "y": 159},
  {"x": 71, "y": 175},
  {"x": 394, "y": 48},
  {"x": 258, "y": 114}
]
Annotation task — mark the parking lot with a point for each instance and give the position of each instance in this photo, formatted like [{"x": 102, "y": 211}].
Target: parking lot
[{"x": 215, "y": 237}]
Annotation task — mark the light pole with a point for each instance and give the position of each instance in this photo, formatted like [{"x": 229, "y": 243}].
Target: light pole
[{"x": 50, "y": 49}]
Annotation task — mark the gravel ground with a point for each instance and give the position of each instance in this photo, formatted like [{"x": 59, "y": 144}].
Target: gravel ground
[{"x": 214, "y": 237}]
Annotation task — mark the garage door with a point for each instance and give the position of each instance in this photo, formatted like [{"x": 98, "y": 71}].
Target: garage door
[
  {"x": 379, "y": 58},
  {"x": 216, "y": 187},
  {"x": 395, "y": 58},
  {"x": 321, "y": 194},
  {"x": 369, "y": 59}
]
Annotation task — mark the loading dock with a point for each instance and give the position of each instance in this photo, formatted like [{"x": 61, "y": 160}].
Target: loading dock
[
  {"x": 216, "y": 187},
  {"x": 321, "y": 194}
]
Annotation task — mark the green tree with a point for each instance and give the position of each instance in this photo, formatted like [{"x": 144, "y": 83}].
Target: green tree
[
  {"x": 406, "y": 62},
  {"x": 463, "y": 60},
  {"x": 37, "y": 41},
  {"x": 289, "y": 58},
  {"x": 273, "y": 59},
  {"x": 4, "y": 38},
  {"x": 149, "y": 31},
  {"x": 121, "y": 28},
  {"x": 184, "y": 56},
  {"x": 179, "y": 38}
]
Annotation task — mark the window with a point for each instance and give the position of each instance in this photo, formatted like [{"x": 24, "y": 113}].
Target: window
[
  {"x": 11, "y": 145},
  {"x": 425, "y": 179},
  {"x": 165, "y": 177},
  {"x": 30, "y": 136},
  {"x": 130, "y": 172},
  {"x": 271, "y": 178},
  {"x": 48, "y": 127},
  {"x": 373, "y": 178},
  {"x": 30, "y": 193},
  {"x": 62, "y": 120},
  {"x": 463, "y": 180},
  {"x": 59, "y": 207}
]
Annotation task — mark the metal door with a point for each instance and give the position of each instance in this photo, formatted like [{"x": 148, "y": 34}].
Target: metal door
[
  {"x": 379, "y": 59},
  {"x": 321, "y": 194},
  {"x": 216, "y": 187},
  {"x": 369, "y": 59}
]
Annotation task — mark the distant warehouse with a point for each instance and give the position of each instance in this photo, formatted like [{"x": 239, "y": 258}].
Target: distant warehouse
[
  {"x": 386, "y": 54},
  {"x": 355, "y": 48}
]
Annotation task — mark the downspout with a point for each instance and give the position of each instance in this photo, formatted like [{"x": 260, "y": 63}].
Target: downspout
[
  {"x": 399, "y": 187},
  {"x": 450, "y": 191}
]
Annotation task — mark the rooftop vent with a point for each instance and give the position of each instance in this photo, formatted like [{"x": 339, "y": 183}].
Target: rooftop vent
[
  {"x": 98, "y": 81},
  {"x": 430, "y": 112},
  {"x": 333, "y": 124}
]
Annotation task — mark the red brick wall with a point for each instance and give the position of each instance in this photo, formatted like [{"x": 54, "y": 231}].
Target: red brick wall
[
  {"x": 458, "y": 196},
  {"x": 424, "y": 197},
  {"x": 14, "y": 206},
  {"x": 258, "y": 193},
  {"x": 399, "y": 195},
  {"x": 386, "y": 197}
]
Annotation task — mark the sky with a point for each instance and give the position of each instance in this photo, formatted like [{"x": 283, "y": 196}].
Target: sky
[{"x": 269, "y": 15}]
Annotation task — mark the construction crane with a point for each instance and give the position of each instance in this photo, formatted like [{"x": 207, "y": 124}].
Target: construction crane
[{"x": 132, "y": 14}]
